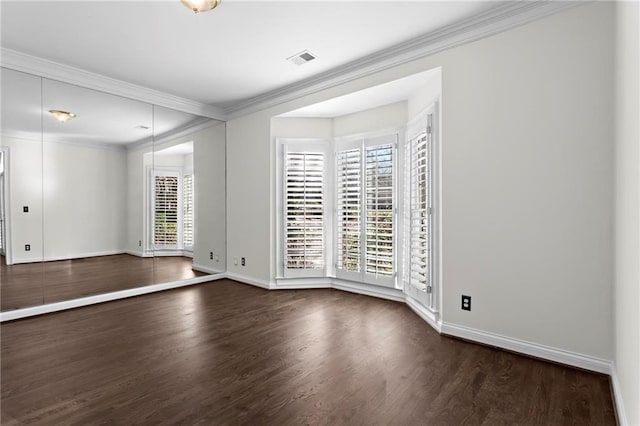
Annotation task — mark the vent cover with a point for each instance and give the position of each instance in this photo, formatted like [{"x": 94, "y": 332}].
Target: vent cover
[{"x": 301, "y": 57}]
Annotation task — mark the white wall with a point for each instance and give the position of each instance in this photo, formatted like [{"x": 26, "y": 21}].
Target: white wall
[
  {"x": 76, "y": 199},
  {"x": 25, "y": 180},
  {"x": 298, "y": 127},
  {"x": 139, "y": 161},
  {"x": 84, "y": 200},
  {"x": 526, "y": 186},
  {"x": 208, "y": 164},
  {"x": 627, "y": 207},
  {"x": 425, "y": 95},
  {"x": 381, "y": 118}
]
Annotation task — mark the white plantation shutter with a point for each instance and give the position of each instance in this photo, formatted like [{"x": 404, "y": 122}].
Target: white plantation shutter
[
  {"x": 379, "y": 212},
  {"x": 349, "y": 209},
  {"x": 365, "y": 210},
  {"x": 419, "y": 221},
  {"x": 304, "y": 211},
  {"x": 165, "y": 231},
  {"x": 187, "y": 211}
]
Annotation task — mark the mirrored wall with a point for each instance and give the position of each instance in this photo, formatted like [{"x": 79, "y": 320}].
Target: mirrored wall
[{"x": 100, "y": 193}]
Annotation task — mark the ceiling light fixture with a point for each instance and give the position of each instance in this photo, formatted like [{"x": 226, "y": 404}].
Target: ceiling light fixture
[
  {"x": 201, "y": 5},
  {"x": 62, "y": 116}
]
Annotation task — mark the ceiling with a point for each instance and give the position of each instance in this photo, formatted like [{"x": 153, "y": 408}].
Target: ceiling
[
  {"x": 102, "y": 118},
  {"x": 225, "y": 56},
  {"x": 372, "y": 97}
]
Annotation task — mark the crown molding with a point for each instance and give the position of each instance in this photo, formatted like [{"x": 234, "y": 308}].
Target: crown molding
[
  {"x": 29, "y": 64},
  {"x": 498, "y": 19}
]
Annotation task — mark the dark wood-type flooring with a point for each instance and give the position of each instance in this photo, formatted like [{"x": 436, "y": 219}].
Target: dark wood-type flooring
[
  {"x": 228, "y": 353},
  {"x": 30, "y": 284}
]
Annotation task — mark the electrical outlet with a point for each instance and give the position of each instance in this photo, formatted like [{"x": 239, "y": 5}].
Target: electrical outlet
[
  {"x": 139, "y": 243},
  {"x": 27, "y": 247},
  {"x": 210, "y": 255},
  {"x": 243, "y": 262},
  {"x": 466, "y": 303},
  {"x": 25, "y": 209}
]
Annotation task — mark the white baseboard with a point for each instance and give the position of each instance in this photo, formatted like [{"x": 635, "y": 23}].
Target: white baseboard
[
  {"x": 206, "y": 269},
  {"x": 167, "y": 253},
  {"x": 100, "y": 298},
  {"x": 617, "y": 396},
  {"x": 17, "y": 261},
  {"x": 83, "y": 255},
  {"x": 247, "y": 280},
  {"x": 301, "y": 283},
  {"x": 529, "y": 348},
  {"x": 427, "y": 315},
  {"x": 368, "y": 290},
  {"x": 139, "y": 253}
]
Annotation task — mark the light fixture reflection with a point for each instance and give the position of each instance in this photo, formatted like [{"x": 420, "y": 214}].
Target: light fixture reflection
[
  {"x": 201, "y": 5},
  {"x": 62, "y": 116}
]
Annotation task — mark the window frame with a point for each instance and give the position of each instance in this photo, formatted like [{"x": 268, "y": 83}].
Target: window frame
[
  {"x": 429, "y": 117},
  {"x": 362, "y": 142},
  {"x": 303, "y": 145},
  {"x": 169, "y": 172},
  {"x": 190, "y": 247}
]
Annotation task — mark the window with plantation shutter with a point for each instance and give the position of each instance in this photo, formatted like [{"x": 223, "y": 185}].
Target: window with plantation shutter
[
  {"x": 165, "y": 197},
  {"x": 349, "y": 209},
  {"x": 419, "y": 210},
  {"x": 304, "y": 240},
  {"x": 187, "y": 211},
  {"x": 379, "y": 199},
  {"x": 365, "y": 209},
  {"x": 418, "y": 274}
]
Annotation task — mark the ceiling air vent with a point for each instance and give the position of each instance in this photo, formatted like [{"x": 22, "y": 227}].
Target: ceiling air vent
[{"x": 301, "y": 58}]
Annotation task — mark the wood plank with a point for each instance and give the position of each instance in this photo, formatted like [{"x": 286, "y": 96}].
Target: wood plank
[{"x": 228, "y": 353}]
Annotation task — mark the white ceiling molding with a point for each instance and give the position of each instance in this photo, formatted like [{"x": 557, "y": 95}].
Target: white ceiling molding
[
  {"x": 56, "y": 71},
  {"x": 494, "y": 21},
  {"x": 188, "y": 129},
  {"x": 498, "y": 19}
]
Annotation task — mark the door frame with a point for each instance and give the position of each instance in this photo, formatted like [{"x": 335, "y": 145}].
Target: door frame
[{"x": 8, "y": 241}]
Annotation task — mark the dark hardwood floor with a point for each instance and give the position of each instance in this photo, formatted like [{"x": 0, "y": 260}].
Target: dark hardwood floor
[
  {"x": 228, "y": 353},
  {"x": 31, "y": 284}
]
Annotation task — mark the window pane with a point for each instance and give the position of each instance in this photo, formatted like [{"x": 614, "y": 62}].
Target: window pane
[
  {"x": 187, "y": 211},
  {"x": 166, "y": 211},
  {"x": 349, "y": 209},
  {"x": 379, "y": 217},
  {"x": 419, "y": 220},
  {"x": 304, "y": 211}
]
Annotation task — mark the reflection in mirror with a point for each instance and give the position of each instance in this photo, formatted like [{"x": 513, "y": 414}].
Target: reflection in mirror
[
  {"x": 90, "y": 200},
  {"x": 187, "y": 196},
  {"x": 21, "y": 244}
]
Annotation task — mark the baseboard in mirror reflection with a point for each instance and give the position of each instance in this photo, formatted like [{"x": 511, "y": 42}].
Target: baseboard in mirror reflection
[{"x": 105, "y": 297}]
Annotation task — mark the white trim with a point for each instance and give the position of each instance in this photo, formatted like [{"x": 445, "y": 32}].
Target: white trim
[
  {"x": 369, "y": 290},
  {"x": 617, "y": 396},
  {"x": 100, "y": 298},
  {"x": 56, "y": 71},
  {"x": 425, "y": 313},
  {"x": 529, "y": 348},
  {"x": 138, "y": 253},
  {"x": 496, "y": 20},
  {"x": 499, "y": 19},
  {"x": 247, "y": 280},
  {"x": 8, "y": 235},
  {"x": 167, "y": 253},
  {"x": 83, "y": 255},
  {"x": 206, "y": 269}
]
